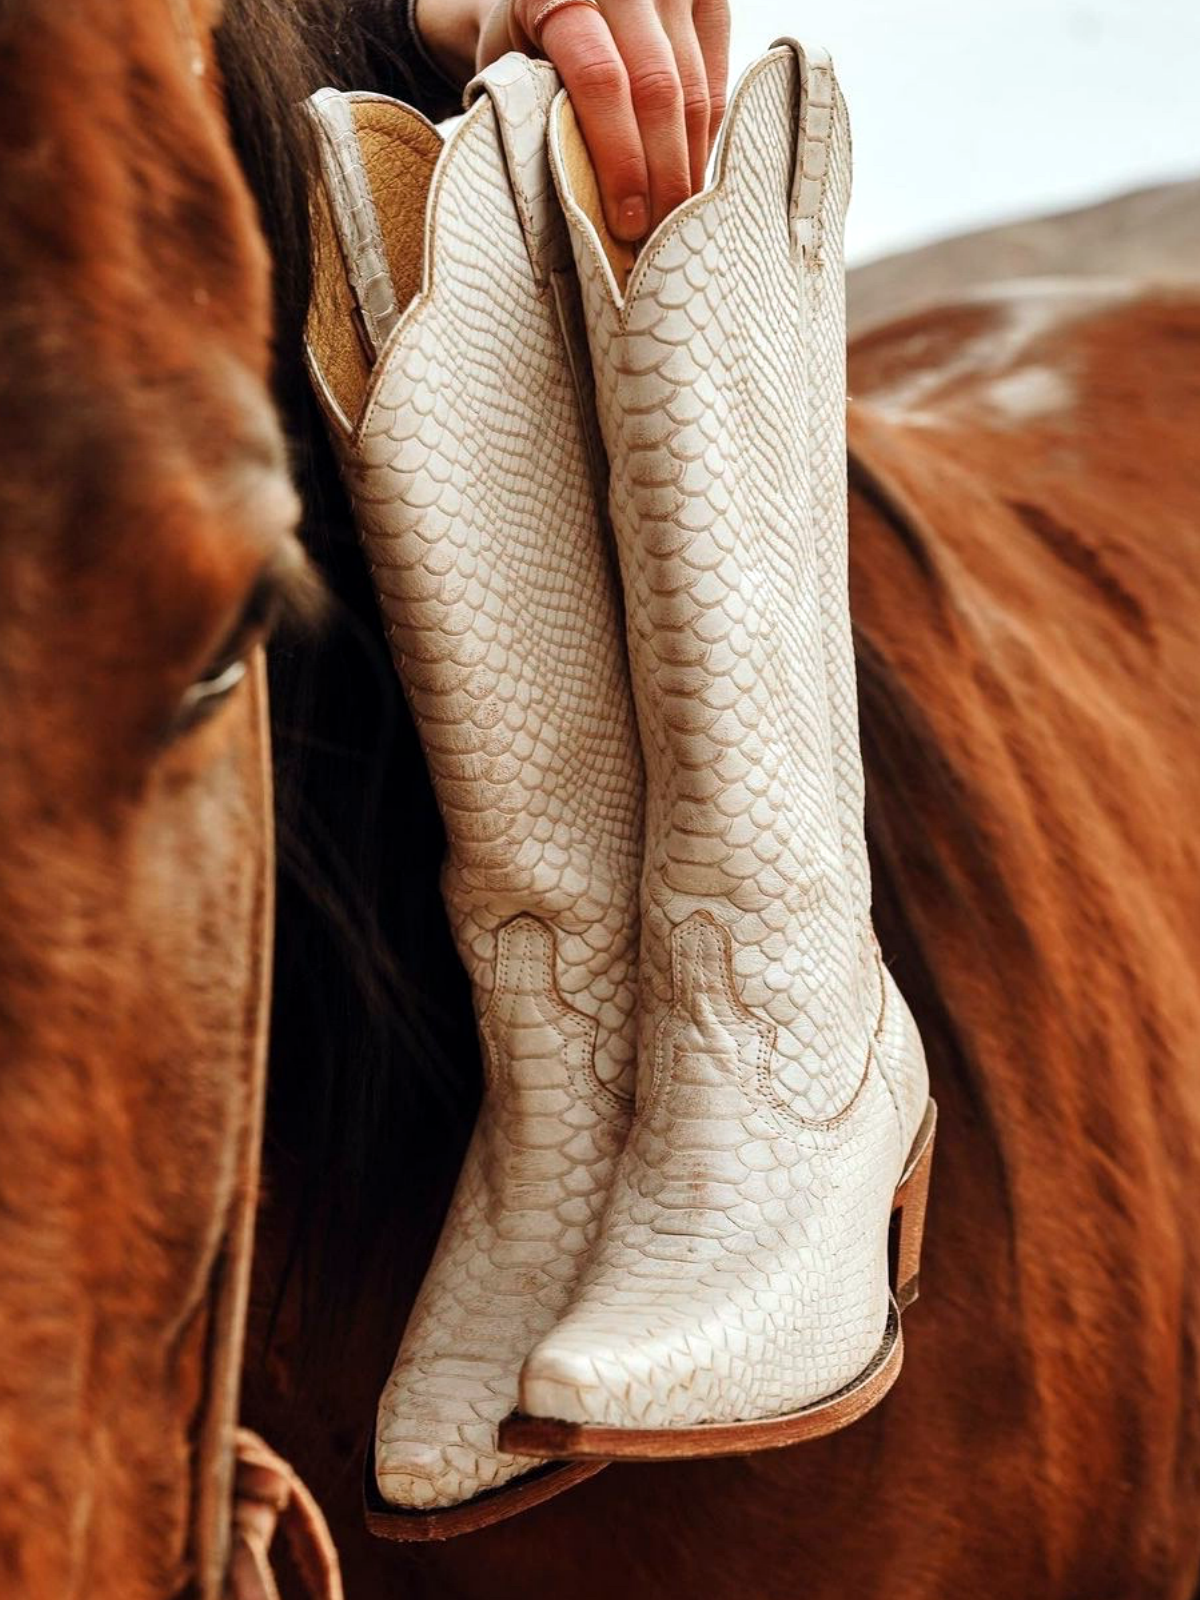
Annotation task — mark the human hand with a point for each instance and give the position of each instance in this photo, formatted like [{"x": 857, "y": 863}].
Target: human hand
[{"x": 647, "y": 80}]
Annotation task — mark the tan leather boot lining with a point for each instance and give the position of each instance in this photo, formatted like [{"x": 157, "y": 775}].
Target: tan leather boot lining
[
  {"x": 399, "y": 153},
  {"x": 586, "y": 190}
]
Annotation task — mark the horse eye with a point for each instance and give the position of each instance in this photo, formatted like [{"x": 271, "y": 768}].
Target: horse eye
[
  {"x": 228, "y": 668},
  {"x": 204, "y": 696}
]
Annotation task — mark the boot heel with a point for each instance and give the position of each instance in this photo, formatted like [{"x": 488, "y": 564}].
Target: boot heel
[{"x": 909, "y": 1213}]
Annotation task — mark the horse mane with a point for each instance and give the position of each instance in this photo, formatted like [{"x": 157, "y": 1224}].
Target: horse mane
[
  {"x": 912, "y": 864},
  {"x": 373, "y": 1053}
]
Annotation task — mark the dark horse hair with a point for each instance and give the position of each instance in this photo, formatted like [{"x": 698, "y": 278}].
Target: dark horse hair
[{"x": 373, "y": 1054}]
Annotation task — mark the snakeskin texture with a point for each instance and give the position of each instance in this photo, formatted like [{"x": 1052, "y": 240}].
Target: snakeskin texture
[
  {"x": 820, "y": 197},
  {"x": 742, "y": 1268},
  {"x": 473, "y": 470}
]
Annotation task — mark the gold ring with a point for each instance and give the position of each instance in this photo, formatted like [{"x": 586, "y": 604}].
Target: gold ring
[{"x": 535, "y": 27}]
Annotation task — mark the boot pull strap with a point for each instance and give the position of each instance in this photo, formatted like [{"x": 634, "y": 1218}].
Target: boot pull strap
[
  {"x": 352, "y": 207},
  {"x": 521, "y": 91},
  {"x": 815, "y": 127}
]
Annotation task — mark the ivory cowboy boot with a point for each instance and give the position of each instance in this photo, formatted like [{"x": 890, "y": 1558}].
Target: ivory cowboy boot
[
  {"x": 821, "y": 224},
  {"x": 447, "y": 345},
  {"x": 739, "y": 1295}
]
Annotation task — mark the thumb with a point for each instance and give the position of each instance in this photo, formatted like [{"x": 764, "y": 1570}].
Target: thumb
[{"x": 502, "y": 32}]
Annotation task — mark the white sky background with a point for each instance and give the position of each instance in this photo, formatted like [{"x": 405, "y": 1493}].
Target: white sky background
[{"x": 967, "y": 112}]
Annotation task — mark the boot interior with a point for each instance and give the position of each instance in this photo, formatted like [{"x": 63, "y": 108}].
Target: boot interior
[
  {"x": 582, "y": 178},
  {"x": 399, "y": 153}
]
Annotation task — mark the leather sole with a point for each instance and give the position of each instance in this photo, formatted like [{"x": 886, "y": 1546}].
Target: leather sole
[
  {"x": 494, "y": 1505},
  {"x": 552, "y": 1438}
]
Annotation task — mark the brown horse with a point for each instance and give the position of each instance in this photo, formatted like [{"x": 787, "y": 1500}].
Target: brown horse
[
  {"x": 1026, "y": 578},
  {"x": 1026, "y": 571},
  {"x": 146, "y": 540}
]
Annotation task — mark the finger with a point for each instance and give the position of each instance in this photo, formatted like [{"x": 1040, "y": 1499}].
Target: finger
[
  {"x": 657, "y": 96},
  {"x": 711, "y": 21},
  {"x": 693, "y": 79},
  {"x": 578, "y": 42}
]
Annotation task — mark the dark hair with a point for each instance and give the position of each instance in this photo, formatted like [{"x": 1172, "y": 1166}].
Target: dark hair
[{"x": 373, "y": 1054}]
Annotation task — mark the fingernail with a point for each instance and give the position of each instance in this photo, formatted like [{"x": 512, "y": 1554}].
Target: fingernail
[{"x": 633, "y": 217}]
